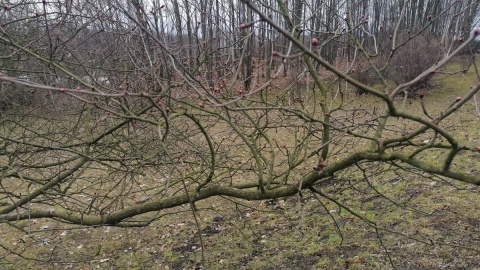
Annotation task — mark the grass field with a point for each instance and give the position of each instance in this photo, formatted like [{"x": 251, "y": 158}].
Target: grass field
[{"x": 370, "y": 217}]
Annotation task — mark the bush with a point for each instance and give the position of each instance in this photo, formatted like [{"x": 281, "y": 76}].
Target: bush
[
  {"x": 12, "y": 97},
  {"x": 364, "y": 72},
  {"x": 411, "y": 58}
]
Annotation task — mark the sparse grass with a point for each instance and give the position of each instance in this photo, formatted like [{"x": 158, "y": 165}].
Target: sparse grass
[{"x": 421, "y": 223}]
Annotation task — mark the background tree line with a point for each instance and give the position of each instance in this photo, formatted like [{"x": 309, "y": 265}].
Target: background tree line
[{"x": 122, "y": 41}]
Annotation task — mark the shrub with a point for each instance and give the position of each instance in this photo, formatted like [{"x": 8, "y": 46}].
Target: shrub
[
  {"x": 12, "y": 97},
  {"x": 364, "y": 72},
  {"x": 412, "y": 57}
]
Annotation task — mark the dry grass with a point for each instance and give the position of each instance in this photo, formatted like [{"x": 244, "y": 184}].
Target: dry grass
[{"x": 420, "y": 222}]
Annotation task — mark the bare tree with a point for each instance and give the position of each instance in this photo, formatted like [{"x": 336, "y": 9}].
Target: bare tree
[{"x": 134, "y": 126}]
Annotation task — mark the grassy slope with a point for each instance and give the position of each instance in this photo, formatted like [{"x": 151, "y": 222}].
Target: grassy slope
[{"x": 437, "y": 221}]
